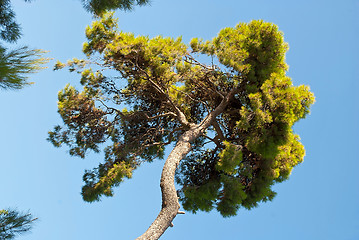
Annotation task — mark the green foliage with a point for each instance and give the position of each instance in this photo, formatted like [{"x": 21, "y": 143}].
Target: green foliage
[
  {"x": 201, "y": 198},
  {"x": 229, "y": 158},
  {"x": 98, "y": 7},
  {"x": 251, "y": 143},
  {"x": 258, "y": 122},
  {"x": 10, "y": 29},
  {"x": 15, "y": 66},
  {"x": 13, "y": 223},
  {"x": 103, "y": 186}
]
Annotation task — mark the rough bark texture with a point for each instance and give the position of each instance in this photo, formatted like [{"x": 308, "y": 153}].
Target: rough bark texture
[{"x": 170, "y": 204}]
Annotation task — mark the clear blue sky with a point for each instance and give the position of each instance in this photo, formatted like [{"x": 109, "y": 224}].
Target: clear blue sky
[{"x": 319, "y": 201}]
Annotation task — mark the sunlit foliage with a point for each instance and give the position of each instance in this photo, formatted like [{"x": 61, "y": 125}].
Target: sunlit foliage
[
  {"x": 15, "y": 65},
  {"x": 159, "y": 82}
]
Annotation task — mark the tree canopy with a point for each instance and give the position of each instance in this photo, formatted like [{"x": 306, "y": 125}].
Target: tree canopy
[{"x": 228, "y": 118}]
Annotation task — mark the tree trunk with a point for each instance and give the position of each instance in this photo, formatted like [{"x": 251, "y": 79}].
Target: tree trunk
[{"x": 170, "y": 204}]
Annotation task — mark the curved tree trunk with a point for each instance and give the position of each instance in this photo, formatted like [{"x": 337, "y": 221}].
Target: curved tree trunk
[{"x": 170, "y": 204}]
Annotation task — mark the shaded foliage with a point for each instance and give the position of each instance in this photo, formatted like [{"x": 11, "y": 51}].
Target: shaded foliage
[
  {"x": 98, "y": 7},
  {"x": 10, "y": 29},
  {"x": 15, "y": 65},
  {"x": 14, "y": 223},
  {"x": 159, "y": 90}
]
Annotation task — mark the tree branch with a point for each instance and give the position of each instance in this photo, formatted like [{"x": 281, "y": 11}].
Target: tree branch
[
  {"x": 195, "y": 100},
  {"x": 180, "y": 115},
  {"x": 218, "y": 130}
]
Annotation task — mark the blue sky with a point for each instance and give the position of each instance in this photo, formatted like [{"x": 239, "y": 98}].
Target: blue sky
[{"x": 319, "y": 201}]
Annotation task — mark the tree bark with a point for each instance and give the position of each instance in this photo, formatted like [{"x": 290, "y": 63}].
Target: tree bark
[{"x": 170, "y": 204}]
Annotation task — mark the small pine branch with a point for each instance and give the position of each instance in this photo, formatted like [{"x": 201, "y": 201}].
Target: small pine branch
[
  {"x": 16, "y": 64},
  {"x": 13, "y": 223}
]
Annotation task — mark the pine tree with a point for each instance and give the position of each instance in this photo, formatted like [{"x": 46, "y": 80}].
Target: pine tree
[
  {"x": 13, "y": 223},
  {"x": 228, "y": 120}
]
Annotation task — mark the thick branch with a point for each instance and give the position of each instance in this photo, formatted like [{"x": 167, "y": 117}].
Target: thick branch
[
  {"x": 218, "y": 130},
  {"x": 170, "y": 205}
]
